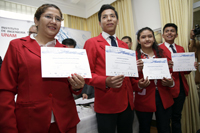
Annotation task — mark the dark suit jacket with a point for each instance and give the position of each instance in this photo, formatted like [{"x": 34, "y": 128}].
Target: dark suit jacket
[
  {"x": 89, "y": 90},
  {"x": 107, "y": 100},
  {"x": 167, "y": 53},
  {"x": 37, "y": 96},
  {"x": 0, "y": 62}
]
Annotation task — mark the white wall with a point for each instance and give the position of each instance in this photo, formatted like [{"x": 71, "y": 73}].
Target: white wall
[
  {"x": 146, "y": 13},
  {"x": 81, "y": 10},
  {"x": 19, "y": 16}
]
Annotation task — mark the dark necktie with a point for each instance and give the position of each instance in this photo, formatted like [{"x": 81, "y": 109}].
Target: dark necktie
[
  {"x": 113, "y": 42},
  {"x": 174, "y": 51},
  {"x": 172, "y": 47}
]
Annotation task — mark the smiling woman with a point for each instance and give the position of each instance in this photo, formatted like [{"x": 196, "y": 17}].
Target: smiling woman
[
  {"x": 153, "y": 95},
  {"x": 43, "y": 104},
  {"x": 48, "y": 22}
]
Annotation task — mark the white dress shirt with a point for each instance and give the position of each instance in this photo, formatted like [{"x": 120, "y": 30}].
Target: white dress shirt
[
  {"x": 168, "y": 46},
  {"x": 49, "y": 44},
  {"x": 107, "y": 38}
]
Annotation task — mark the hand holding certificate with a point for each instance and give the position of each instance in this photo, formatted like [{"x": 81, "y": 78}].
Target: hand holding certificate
[
  {"x": 156, "y": 68},
  {"x": 183, "y": 61},
  {"x": 120, "y": 61},
  {"x": 62, "y": 62}
]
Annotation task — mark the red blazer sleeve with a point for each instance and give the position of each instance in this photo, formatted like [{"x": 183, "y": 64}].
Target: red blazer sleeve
[
  {"x": 8, "y": 89},
  {"x": 76, "y": 92},
  {"x": 96, "y": 80},
  {"x": 134, "y": 82}
]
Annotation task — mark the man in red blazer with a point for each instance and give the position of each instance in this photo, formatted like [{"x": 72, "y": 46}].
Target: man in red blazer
[
  {"x": 182, "y": 88},
  {"x": 113, "y": 94}
]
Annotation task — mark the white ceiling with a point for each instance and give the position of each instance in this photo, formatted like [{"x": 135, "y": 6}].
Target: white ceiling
[{"x": 80, "y": 8}]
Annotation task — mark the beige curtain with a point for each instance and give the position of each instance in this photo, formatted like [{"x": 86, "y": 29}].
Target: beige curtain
[
  {"x": 93, "y": 25},
  {"x": 90, "y": 24},
  {"x": 180, "y": 12},
  {"x": 17, "y": 8},
  {"x": 126, "y": 24},
  {"x": 65, "y": 17},
  {"x": 77, "y": 23}
]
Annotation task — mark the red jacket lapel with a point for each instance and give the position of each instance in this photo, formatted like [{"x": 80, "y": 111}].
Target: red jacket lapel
[{"x": 33, "y": 46}]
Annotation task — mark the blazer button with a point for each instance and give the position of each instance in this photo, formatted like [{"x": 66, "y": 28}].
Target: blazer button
[{"x": 50, "y": 95}]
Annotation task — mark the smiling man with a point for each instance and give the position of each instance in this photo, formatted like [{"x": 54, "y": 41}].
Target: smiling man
[
  {"x": 170, "y": 34},
  {"x": 113, "y": 94},
  {"x": 128, "y": 41}
]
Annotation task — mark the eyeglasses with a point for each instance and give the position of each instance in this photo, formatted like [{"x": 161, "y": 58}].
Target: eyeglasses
[
  {"x": 30, "y": 32},
  {"x": 57, "y": 18}
]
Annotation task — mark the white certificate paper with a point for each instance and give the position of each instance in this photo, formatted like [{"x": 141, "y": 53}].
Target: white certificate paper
[
  {"x": 120, "y": 61},
  {"x": 183, "y": 61},
  {"x": 62, "y": 62},
  {"x": 156, "y": 68}
]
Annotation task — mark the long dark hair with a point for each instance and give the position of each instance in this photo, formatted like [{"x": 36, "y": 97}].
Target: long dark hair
[{"x": 154, "y": 46}]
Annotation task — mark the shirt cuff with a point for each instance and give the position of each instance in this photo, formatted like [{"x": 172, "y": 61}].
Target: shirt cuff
[
  {"x": 140, "y": 87},
  {"x": 172, "y": 85}
]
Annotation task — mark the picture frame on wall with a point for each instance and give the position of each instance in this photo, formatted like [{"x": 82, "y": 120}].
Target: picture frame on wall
[{"x": 158, "y": 35}]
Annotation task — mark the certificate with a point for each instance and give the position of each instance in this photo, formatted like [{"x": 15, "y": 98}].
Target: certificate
[
  {"x": 183, "y": 61},
  {"x": 156, "y": 68},
  {"x": 62, "y": 62},
  {"x": 120, "y": 61}
]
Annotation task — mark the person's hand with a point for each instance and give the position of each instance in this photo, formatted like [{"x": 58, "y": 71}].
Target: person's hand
[
  {"x": 192, "y": 36},
  {"x": 142, "y": 83},
  {"x": 140, "y": 65},
  {"x": 85, "y": 96},
  {"x": 167, "y": 82},
  {"x": 114, "y": 81},
  {"x": 196, "y": 65},
  {"x": 76, "y": 81},
  {"x": 170, "y": 64}
]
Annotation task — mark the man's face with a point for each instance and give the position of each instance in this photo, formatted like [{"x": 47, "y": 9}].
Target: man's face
[
  {"x": 109, "y": 21},
  {"x": 126, "y": 40},
  {"x": 169, "y": 34},
  {"x": 32, "y": 30},
  {"x": 70, "y": 46}
]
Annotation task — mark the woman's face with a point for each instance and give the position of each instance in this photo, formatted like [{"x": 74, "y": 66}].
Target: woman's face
[
  {"x": 146, "y": 39},
  {"x": 49, "y": 23}
]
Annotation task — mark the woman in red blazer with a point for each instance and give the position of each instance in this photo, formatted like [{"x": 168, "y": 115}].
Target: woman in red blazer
[
  {"x": 43, "y": 105},
  {"x": 152, "y": 95}
]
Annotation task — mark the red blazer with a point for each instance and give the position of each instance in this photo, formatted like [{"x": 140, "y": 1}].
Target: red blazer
[
  {"x": 167, "y": 53},
  {"x": 37, "y": 96},
  {"x": 107, "y": 100},
  {"x": 147, "y": 102}
]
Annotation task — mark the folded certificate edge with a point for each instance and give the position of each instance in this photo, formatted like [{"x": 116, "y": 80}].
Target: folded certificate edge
[
  {"x": 184, "y": 70},
  {"x": 124, "y": 75},
  {"x": 44, "y": 76}
]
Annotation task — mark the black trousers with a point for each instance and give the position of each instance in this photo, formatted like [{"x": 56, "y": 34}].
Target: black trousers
[
  {"x": 177, "y": 109},
  {"x": 162, "y": 118},
  {"x": 107, "y": 123}
]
